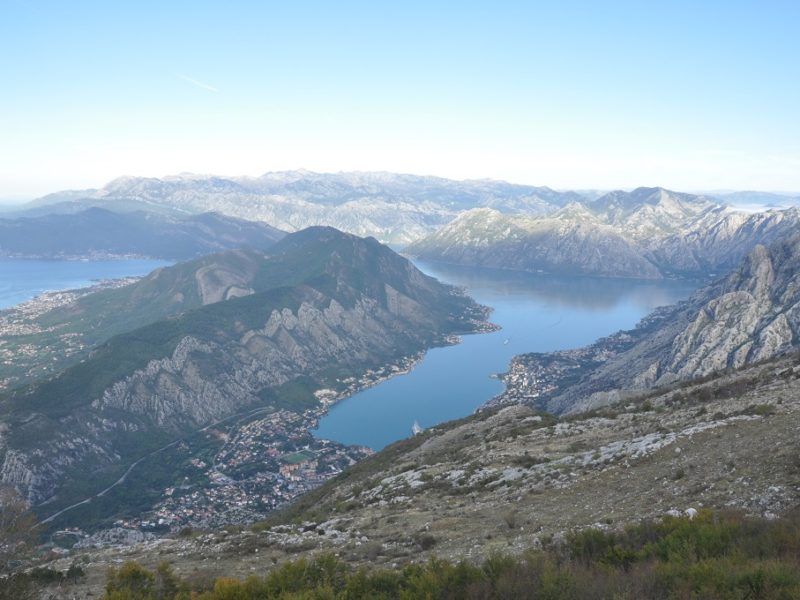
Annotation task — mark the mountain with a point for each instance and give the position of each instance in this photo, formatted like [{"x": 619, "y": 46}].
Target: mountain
[
  {"x": 646, "y": 233},
  {"x": 96, "y": 232},
  {"x": 647, "y": 214},
  {"x": 391, "y": 207},
  {"x": 718, "y": 241},
  {"x": 45, "y": 336},
  {"x": 259, "y": 334},
  {"x": 487, "y": 238},
  {"x": 750, "y": 315}
]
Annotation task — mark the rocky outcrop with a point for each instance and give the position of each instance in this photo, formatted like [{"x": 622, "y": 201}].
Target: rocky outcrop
[{"x": 751, "y": 315}]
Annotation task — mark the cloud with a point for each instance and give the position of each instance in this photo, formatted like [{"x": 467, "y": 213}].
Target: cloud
[{"x": 200, "y": 84}]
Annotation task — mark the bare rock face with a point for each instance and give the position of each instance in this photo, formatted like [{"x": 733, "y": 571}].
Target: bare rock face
[{"x": 222, "y": 282}]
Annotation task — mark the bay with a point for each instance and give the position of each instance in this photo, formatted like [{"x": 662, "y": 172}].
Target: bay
[
  {"x": 537, "y": 313},
  {"x": 23, "y": 279}
]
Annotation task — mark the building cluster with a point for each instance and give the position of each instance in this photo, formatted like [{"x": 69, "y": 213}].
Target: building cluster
[{"x": 263, "y": 464}]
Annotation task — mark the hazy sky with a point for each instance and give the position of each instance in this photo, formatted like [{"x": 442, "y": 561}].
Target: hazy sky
[{"x": 688, "y": 95}]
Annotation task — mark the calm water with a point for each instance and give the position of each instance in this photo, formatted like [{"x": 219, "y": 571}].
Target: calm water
[
  {"x": 21, "y": 280},
  {"x": 538, "y": 313}
]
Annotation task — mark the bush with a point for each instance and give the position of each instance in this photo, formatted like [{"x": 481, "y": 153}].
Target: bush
[{"x": 722, "y": 555}]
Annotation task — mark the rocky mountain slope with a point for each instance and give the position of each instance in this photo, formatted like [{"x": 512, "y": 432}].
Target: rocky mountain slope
[
  {"x": 100, "y": 233},
  {"x": 487, "y": 238},
  {"x": 750, "y": 315},
  {"x": 391, "y": 207},
  {"x": 507, "y": 480},
  {"x": 45, "y": 336},
  {"x": 646, "y": 233},
  {"x": 322, "y": 307},
  {"x": 719, "y": 240}
]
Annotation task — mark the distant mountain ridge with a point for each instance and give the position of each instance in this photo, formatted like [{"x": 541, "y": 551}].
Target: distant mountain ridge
[
  {"x": 394, "y": 208},
  {"x": 646, "y": 233},
  {"x": 100, "y": 233}
]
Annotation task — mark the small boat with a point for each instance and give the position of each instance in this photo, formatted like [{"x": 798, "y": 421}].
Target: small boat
[
  {"x": 416, "y": 429},
  {"x": 505, "y": 341}
]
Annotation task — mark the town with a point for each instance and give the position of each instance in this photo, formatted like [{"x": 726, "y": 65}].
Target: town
[{"x": 262, "y": 465}]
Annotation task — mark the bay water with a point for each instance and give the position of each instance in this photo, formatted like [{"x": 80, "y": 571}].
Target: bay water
[
  {"x": 537, "y": 313},
  {"x": 23, "y": 279}
]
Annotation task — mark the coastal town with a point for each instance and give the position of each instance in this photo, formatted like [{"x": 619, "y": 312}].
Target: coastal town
[
  {"x": 29, "y": 347},
  {"x": 261, "y": 465},
  {"x": 533, "y": 377}
]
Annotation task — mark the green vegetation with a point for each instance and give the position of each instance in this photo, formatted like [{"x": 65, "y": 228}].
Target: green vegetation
[
  {"x": 21, "y": 586},
  {"x": 296, "y": 395},
  {"x": 713, "y": 556}
]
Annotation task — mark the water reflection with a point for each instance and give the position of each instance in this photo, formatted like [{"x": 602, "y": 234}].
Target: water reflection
[{"x": 584, "y": 293}]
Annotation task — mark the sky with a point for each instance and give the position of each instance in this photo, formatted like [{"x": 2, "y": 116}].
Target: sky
[{"x": 699, "y": 95}]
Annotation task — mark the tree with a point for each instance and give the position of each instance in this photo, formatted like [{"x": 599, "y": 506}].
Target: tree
[{"x": 17, "y": 528}]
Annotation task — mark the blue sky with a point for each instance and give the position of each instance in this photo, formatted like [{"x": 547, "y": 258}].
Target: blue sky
[{"x": 688, "y": 95}]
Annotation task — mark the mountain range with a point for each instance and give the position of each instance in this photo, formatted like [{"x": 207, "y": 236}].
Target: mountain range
[
  {"x": 695, "y": 409},
  {"x": 392, "y": 207},
  {"x": 646, "y": 233},
  {"x": 513, "y": 481}
]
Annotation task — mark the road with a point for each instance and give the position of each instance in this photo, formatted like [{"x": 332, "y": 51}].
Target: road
[{"x": 240, "y": 416}]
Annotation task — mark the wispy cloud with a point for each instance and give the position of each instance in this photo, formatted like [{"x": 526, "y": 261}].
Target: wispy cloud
[{"x": 196, "y": 83}]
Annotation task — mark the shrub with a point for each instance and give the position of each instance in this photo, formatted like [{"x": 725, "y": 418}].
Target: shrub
[{"x": 714, "y": 555}]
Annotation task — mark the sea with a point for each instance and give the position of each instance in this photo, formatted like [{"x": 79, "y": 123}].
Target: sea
[{"x": 23, "y": 279}]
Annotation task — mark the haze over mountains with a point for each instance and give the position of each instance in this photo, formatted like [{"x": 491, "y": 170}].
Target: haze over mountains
[
  {"x": 391, "y": 207},
  {"x": 645, "y": 233},
  {"x": 124, "y": 399}
]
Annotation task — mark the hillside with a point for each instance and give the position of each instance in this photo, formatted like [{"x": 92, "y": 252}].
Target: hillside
[
  {"x": 487, "y": 238},
  {"x": 324, "y": 312},
  {"x": 748, "y": 316},
  {"x": 646, "y": 233},
  {"x": 42, "y": 338},
  {"x": 100, "y": 233},
  {"x": 511, "y": 480},
  {"x": 394, "y": 208}
]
